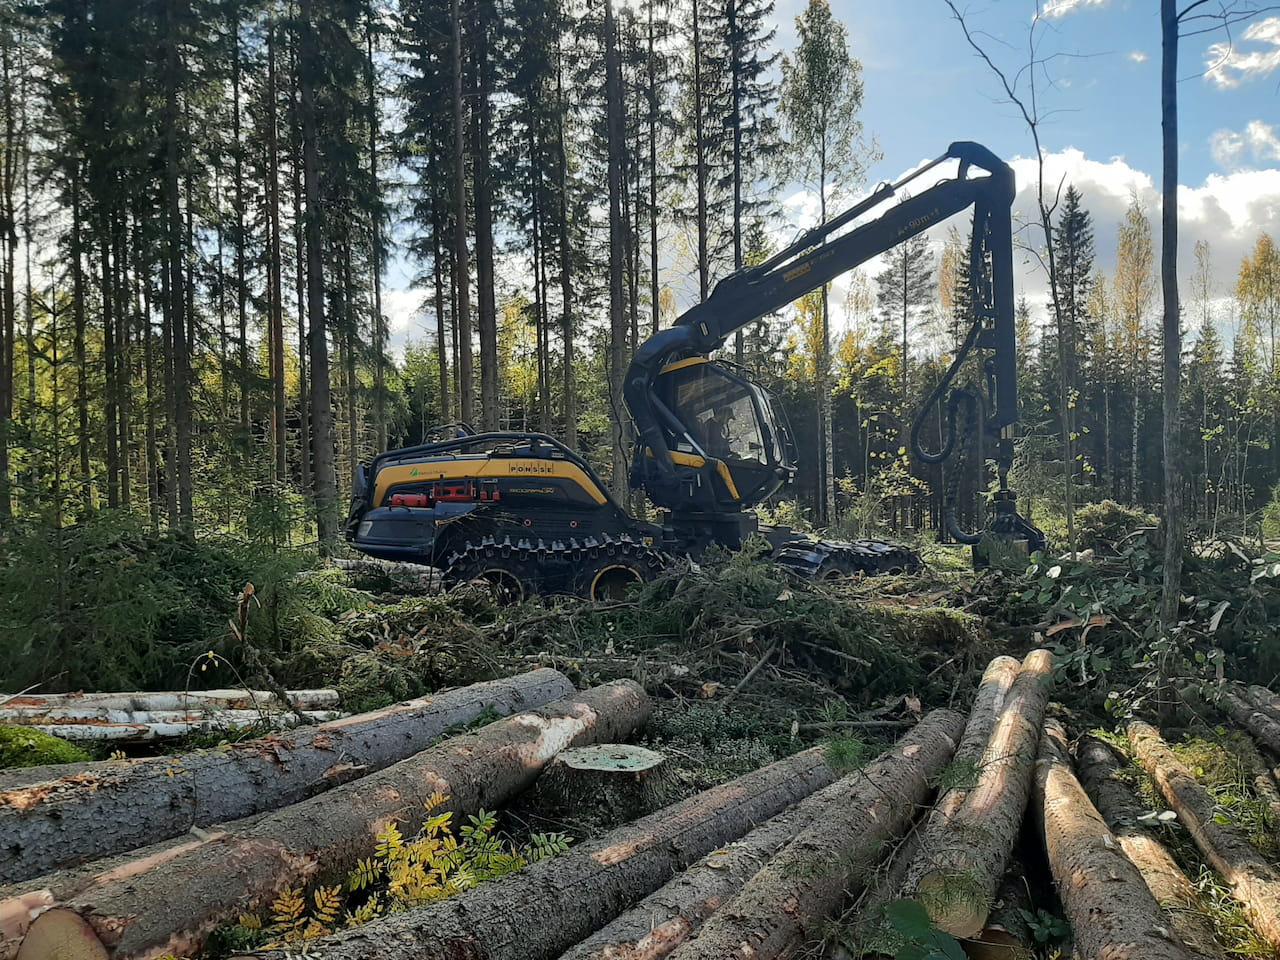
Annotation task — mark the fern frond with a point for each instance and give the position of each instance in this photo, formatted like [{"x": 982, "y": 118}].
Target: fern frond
[
  {"x": 287, "y": 909},
  {"x": 389, "y": 841},
  {"x": 328, "y": 904}
]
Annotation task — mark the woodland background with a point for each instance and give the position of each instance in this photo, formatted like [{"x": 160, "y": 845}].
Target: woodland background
[{"x": 199, "y": 201}]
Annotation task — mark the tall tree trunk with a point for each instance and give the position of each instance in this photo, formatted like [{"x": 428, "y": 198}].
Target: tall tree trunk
[
  {"x": 375, "y": 237},
  {"x": 110, "y": 367},
  {"x": 442, "y": 332},
  {"x": 735, "y": 120},
  {"x": 617, "y": 302},
  {"x": 1173, "y": 520},
  {"x": 78, "y": 348},
  {"x": 242, "y": 312},
  {"x": 322, "y": 434},
  {"x": 275, "y": 269},
  {"x": 487, "y": 311},
  {"x": 177, "y": 277},
  {"x": 566, "y": 260},
  {"x": 9, "y": 306},
  {"x": 700, "y": 158},
  {"x": 462, "y": 263},
  {"x": 651, "y": 63}
]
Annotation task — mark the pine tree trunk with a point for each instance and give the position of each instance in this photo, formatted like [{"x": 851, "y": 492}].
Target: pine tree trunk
[
  {"x": 839, "y": 852},
  {"x": 375, "y": 237},
  {"x": 487, "y": 315},
  {"x": 1172, "y": 381},
  {"x": 275, "y": 272},
  {"x": 547, "y": 907},
  {"x": 1247, "y": 874},
  {"x": 322, "y": 428},
  {"x": 174, "y": 906},
  {"x": 617, "y": 304},
  {"x": 566, "y": 263},
  {"x": 119, "y": 805},
  {"x": 1112, "y": 913},
  {"x": 461, "y": 259},
  {"x": 965, "y": 870}
]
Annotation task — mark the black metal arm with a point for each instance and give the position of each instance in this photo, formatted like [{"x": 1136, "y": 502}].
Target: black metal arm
[{"x": 814, "y": 260}]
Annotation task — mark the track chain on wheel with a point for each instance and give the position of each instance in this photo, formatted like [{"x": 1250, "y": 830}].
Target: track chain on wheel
[
  {"x": 828, "y": 559},
  {"x": 583, "y": 566}
]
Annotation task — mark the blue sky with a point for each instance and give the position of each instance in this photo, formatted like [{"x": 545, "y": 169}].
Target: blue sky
[
  {"x": 924, "y": 86},
  {"x": 1101, "y": 118}
]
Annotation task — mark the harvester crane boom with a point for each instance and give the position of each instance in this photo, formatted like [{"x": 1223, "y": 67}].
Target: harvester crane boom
[{"x": 819, "y": 256}]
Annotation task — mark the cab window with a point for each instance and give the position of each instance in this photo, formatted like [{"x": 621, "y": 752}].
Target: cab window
[{"x": 718, "y": 411}]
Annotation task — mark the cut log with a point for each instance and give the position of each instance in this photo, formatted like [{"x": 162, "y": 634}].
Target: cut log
[
  {"x": 1268, "y": 701},
  {"x": 55, "y": 705},
  {"x": 1112, "y": 913},
  {"x": 840, "y": 851},
  {"x": 966, "y": 862},
  {"x": 121, "y": 805},
  {"x": 871, "y": 936},
  {"x": 668, "y": 917},
  {"x": 168, "y": 725},
  {"x": 64, "y": 935},
  {"x": 1260, "y": 725},
  {"x": 551, "y": 905},
  {"x": 1007, "y": 935},
  {"x": 1247, "y": 874},
  {"x": 173, "y": 906},
  {"x": 1100, "y": 775},
  {"x": 21, "y": 903},
  {"x": 993, "y": 689}
]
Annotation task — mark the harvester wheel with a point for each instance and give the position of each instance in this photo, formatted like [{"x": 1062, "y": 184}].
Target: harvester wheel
[{"x": 604, "y": 577}]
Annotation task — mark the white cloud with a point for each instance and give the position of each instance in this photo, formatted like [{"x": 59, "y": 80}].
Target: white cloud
[
  {"x": 1138, "y": 56},
  {"x": 1236, "y": 149},
  {"x": 1056, "y": 9},
  {"x": 1231, "y": 64}
]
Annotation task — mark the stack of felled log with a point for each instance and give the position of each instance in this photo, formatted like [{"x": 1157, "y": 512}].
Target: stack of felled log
[
  {"x": 141, "y": 717},
  {"x": 753, "y": 867}
]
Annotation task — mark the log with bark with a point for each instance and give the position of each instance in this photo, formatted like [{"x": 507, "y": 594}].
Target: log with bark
[
  {"x": 1100, "y": 774},
  {"x": 668, "y": 917},
  {"x": 994, "y": 687},
  {"x": 173, "y": 905},
  {"x": 1261, "y": 726},
  {"x": 21, "y": 903},
  {"x": 121, "y": 805},
  {"x": 551, "y": 905},
  {"x": 1112, "y": 913},
  {"x": 839, "y": 851},
  {"x": 1247, "y": 874},
  {"x": 965, "y": 863},
  {"x": 22, "y": 707},
  {"x": 1266, "y": 700},
  {"x": 163, "y": 725}
]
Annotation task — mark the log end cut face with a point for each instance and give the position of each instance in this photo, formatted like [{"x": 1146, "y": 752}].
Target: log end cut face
[{"x": 611, "y": 758}]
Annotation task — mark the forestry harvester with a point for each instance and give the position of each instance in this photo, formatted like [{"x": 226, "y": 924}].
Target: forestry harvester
[{"x": 528, "y": 515}]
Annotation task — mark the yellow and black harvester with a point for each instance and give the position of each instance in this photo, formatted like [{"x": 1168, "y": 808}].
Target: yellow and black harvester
[{"x": 526, "y": 514}]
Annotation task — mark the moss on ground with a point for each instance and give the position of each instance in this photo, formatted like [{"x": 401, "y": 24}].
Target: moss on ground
[{"x": 27, "y": 747}]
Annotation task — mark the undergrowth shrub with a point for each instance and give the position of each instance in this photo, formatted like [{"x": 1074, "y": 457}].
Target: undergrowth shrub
[
  {"x": 1101, "y": 526},
  {"x": 108, "y": 604},
  {"x": 434, "y": 864}
]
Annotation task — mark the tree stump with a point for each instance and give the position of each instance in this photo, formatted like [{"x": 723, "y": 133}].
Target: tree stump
[{"x": 606, "y": 783}]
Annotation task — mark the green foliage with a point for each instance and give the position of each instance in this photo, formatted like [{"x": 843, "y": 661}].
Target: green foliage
[
  {"x": 1046, "y": 927},
  {"x": 1103, "y": 526},
  {"x": 110, "y": 604},
  {"x": 376, "y": 654},
  {"x": 846, "y": 754},
  {"x": 28, "y": 747},
  {"x": 434, "y": 864},
  {"x": 918, "y": 938}
]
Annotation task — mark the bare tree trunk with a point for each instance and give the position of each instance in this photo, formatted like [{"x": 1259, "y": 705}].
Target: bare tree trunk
[
  {"x": 275, "y": 270},
  {"x": 617, "y": 302},
  {"x": 1173, "y": 519},
  {"x": 461, "y": 259},
  {"x": 375, "y": 235},
  {"x": 566, "y": 264},
  {"x": 322, "y": 431}
]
